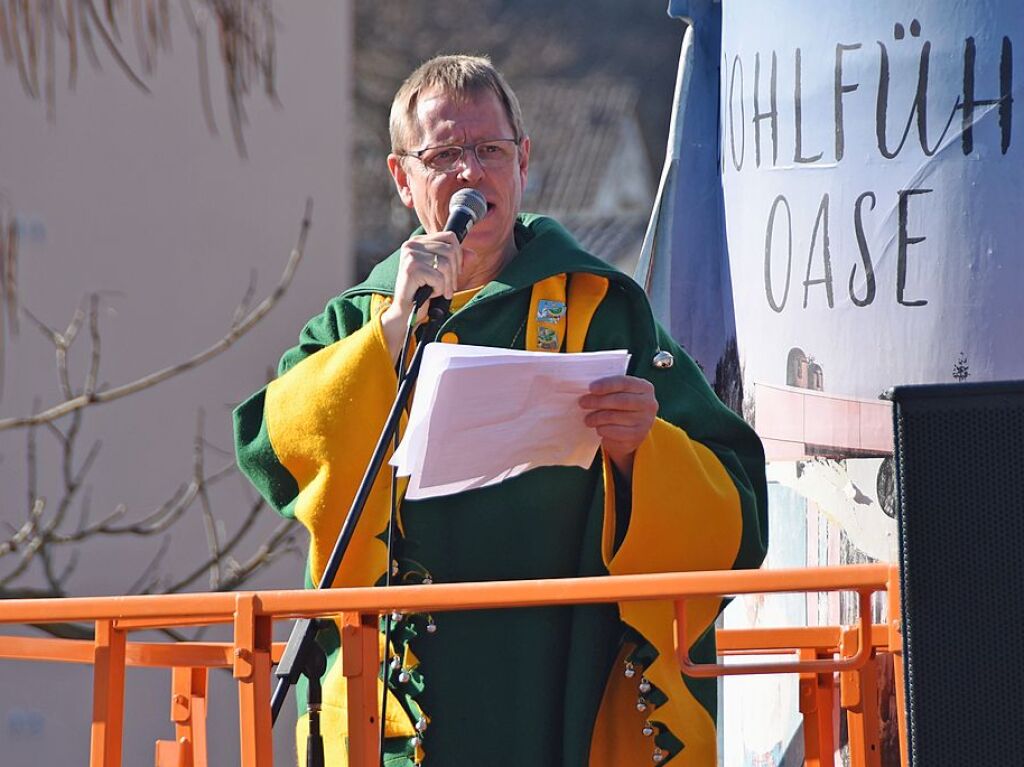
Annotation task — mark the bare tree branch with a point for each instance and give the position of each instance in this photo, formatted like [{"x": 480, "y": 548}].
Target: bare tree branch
[
  {"x": 236, "y": 332},
  {"x": 30, "y": 29},
  {"x": 39, "y": 541},
  {"x": 199, "y": 33},
  {"x": 108, "y": 38},
  {"x": 243, "y": 306},
  {"x": 281, "y": 541}
]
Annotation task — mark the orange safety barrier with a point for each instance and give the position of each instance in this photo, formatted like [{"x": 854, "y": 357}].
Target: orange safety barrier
[{"x": 821, "y": 653}]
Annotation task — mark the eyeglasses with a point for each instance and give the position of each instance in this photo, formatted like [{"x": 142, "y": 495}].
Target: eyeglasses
[{"x": 490, "y": 154}]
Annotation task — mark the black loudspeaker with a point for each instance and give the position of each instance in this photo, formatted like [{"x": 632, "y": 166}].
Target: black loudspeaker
[{"x": 960, "y": 508}]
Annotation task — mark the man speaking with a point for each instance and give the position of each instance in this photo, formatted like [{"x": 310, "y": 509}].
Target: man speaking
[{"x": 678, "y": 483}]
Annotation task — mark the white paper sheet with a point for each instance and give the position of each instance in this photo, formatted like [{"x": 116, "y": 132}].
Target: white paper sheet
[{"x": 481, "y": 415}]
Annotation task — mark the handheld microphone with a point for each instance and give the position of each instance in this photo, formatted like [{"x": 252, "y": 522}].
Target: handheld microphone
[{"x": 466, "y": 207}]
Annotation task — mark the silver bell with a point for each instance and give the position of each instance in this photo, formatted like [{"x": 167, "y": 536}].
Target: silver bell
[
  {"x": 641, "y": 705},
  {"x": 644, "y": 686},
  {"x": 431, "y": 628},
  {"x": 663, "y": 360},
  {"x": 427, "y": 580},
  {"x": 648, "y": 731},
  {"x": 659, "y": 756},
  {"x": 421, "y": 725},
  {"x": 416, "y": 741},
  {"x": 396, "y": 616},
  {"x": 404, "y": 677},
  {"x": 396, "y": 663},
  {"x": 630, "y": 672}
]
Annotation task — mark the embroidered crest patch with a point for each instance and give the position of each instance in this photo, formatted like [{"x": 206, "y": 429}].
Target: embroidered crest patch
[
  {"x": 547, "y": 339},
  {"x": 550, "y": 311}
]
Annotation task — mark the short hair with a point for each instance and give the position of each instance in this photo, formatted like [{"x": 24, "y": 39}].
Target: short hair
[{"x": 455, "y": 75}]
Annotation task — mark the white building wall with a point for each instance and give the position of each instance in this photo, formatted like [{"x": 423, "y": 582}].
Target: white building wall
[{"x": 130, "y": 195}]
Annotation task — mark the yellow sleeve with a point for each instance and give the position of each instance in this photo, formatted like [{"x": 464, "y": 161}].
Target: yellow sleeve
[{"x": 322, "y": 418}]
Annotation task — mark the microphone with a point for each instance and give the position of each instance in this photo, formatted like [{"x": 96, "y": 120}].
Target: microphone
[{"x": 466, "y": 207}]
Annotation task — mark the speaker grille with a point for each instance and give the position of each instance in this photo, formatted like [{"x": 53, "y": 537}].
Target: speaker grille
[{"x": 960, "y": 475}]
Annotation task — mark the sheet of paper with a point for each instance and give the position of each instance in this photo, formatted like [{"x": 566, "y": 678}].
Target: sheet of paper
[{"x": 481, "y": 415}]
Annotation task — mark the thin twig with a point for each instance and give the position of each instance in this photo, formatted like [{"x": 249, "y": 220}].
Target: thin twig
[
  {"x": 71, "y": 24},
  {"x": 281, "y": 542},
  {"x": 107, "y": 37},
  {"x": 19, "y": 53},
  {"x": 265, "y": 553},
  {"x": 21, "y": 534},
  {"x": 154, "y": 523},
  {"x": 49, "y": 13},
  {"x": 149, "y": 578},
  {"x": 87, "y": 43},
  {"x": 31, "y": 547},
  {"x": 94, "y": 334},
  {"x": 204, "y": 75},
  {"x": 209, "y": 522},
  {"x": 45, "y": 329},
  {"x": 243, "y": 306}
]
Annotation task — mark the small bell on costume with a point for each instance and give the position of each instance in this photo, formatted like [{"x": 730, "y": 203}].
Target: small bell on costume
[
  {"x": 645, "y": 686},
  {"x": 648, "y": 730},
  {"x": 659, "y": 756},
  {"x": 663, "y": 360},
  {"x": 630, "y": 672},
  {"x": 641, "y": 705}
]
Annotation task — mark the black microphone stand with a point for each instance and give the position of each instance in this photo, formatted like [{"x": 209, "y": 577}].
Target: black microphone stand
[{"x": 302, "y": 655}]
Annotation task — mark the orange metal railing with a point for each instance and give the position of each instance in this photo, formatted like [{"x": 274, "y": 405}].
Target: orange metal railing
[{"x": 834, "y": 663}]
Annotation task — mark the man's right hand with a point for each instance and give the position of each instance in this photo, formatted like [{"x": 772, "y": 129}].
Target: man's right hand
[{"x": 427, "y": 259}]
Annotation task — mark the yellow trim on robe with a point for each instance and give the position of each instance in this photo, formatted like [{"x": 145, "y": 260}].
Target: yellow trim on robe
[
  {"x": 463, "y": 297},
  {"x": 326, "y": 464},
  {"x": 665, "y": 461},
  {"x": 586, "y": 291}
]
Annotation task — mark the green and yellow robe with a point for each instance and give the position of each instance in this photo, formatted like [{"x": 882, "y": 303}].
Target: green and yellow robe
[{"x": 549, "y": 687}]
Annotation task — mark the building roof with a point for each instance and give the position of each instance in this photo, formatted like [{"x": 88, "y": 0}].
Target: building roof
[
  {"x": 615, "y": 239},
  {"x": 577, "y": 127}
]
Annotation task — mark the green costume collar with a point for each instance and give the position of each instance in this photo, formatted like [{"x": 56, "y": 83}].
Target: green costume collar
[{"x": 546, "y": 248}]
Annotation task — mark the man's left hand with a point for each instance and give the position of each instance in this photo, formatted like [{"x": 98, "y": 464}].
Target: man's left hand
[{"x": 622, "y": 409}]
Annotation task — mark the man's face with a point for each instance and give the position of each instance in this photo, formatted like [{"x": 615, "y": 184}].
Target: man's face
[{"x": 443, "y": 120}]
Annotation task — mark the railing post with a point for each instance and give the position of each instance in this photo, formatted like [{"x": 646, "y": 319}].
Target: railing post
[
  {"x": 188, "y": 712},
  {"x": 360, "y": 661},
  {"x": 858, "y": 696},
  {"x": 817, "y": 695},
  {"x": 107, "y": 696},
  {"x": 252, "y": 670}
]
